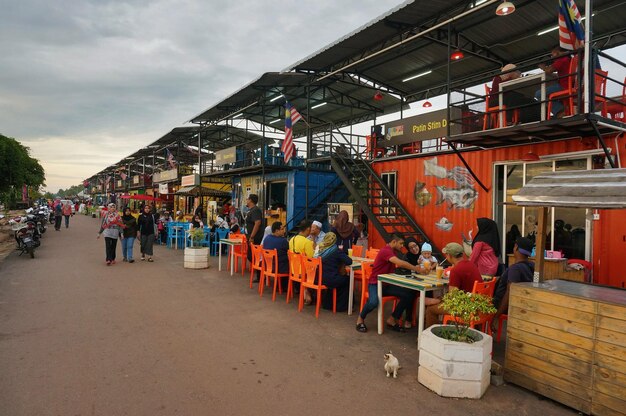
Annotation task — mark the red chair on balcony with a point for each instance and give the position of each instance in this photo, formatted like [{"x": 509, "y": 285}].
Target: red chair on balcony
[
  {"x": 491, "y": 119},
  {"x": 617, "y": 111}
]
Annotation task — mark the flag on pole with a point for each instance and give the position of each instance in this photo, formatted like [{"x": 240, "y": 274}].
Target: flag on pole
[
  {"x": 170, "y": 158},
  {"x": 571, "y": 31},
  {"x": 123, "y": 175},
  {"x": 292, "y": 116}
]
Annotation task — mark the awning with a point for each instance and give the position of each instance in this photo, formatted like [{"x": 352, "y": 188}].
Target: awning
[
  {"x": 202, "y": 191},
  {"x": 601, "y": 189}
]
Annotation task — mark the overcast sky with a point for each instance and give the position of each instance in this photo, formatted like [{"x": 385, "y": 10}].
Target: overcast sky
[{"x": 86, "y": 83}]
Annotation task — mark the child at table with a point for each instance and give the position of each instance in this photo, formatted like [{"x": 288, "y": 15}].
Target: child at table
[{"x": 427, "y": 257}]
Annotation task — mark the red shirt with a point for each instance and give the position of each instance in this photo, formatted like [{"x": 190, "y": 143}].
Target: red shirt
[
  {"x": 464, "y": 274},
  {"x": 382, "y": 265},
  {"x": 561, "y": 65}
]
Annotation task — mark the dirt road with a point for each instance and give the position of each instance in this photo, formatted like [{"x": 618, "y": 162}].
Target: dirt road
[{"x": 80, "y": 338}]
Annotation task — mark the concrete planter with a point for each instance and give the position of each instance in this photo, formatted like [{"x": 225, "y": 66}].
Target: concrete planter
[
  {"x": 196, "y": 258},
  {"x": 454, "y": 369}
]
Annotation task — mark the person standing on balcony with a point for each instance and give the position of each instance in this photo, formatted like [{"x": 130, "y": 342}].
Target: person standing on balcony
[{"x": 560, "y": 66}]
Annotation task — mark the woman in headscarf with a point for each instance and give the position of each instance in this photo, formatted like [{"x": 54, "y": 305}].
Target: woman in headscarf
[
  {"x": 346, "y": 232},
  {"x": 486, "y": 247},
  {"x": 129, "y": 234},
  {"x": 110, "y": 227},
  {"x": 334, "y": 276}
]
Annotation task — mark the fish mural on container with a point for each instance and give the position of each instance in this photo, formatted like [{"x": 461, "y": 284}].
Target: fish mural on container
[
  {"x": 456, "y": 197},
  {"x": 458, "y": 174},
  {"x": 444, "y": 224},
  {"x": 422, "y": 196}
]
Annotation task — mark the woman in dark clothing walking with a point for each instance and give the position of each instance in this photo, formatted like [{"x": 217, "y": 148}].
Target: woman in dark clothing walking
[
  {"x": 129, "y": 233},
  {"x": 147, "y": 226},
  {"x": 332, "y": 260}
]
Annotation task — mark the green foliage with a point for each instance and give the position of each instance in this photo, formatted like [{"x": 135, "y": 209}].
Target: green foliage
[
  {"x": 70, "y": 192},
  {"x": 16, "y": 169},
  {"x": 467, "y": 307},
  {"x": 197, "y": 234}
]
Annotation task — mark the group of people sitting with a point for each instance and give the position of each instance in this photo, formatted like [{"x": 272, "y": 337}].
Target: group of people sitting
[{"x": 399, "y": 255}]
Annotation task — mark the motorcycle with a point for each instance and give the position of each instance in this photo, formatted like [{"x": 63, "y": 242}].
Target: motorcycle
[{"x": 25, "y": 236}]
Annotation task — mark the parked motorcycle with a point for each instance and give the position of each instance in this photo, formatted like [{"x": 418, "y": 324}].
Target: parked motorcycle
[{"x": 25, "y": 235}]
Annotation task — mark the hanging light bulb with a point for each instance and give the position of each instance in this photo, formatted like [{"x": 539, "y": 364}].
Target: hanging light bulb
[
  {"x": 427, "y": 104},
  {"x": 530, "y": 157},
  {"x": 505, "y": 8},
  {"x": 378, "y": 96},
  {"x": 456, "y": 55}
]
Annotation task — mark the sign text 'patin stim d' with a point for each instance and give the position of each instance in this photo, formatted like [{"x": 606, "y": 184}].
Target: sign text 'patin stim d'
[{"x": 421, "y": 127}]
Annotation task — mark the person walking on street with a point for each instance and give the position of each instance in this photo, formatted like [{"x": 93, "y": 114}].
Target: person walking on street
[
  {"x": 110, "y": 227},
  {"x": 67, "y": 212},
  {"x": 130, "y": 234},
  {"x": 147, "y": 225},
  {"x": 58, "y": 214}
]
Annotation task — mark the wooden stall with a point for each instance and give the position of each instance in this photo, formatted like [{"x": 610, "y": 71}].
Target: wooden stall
[
  {"x": 557, "y": 269},
  {"x": 567, "y": 340}
]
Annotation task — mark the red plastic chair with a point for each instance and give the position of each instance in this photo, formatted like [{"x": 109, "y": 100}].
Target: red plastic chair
[
  {"x": 372, "y": 253},
  {"x": 617, "y": 111},
  {"x": 367, "y": 272},
  {"x": 483, "y": 288},
  {"x": 492, "y": 113},
  {"x": 587, "y": 267},
  {"x": 270, "y": 271},
  {"x": 501, "y": 319},
  {"x": 240, "y": 252},
  {"x": 357, "y": 251},
  {"x": 312, "y": 279},
  {"x": 295, "y": 272},
  {"x": 568, "y": 95},
  {"x": 256, "y": 263}
]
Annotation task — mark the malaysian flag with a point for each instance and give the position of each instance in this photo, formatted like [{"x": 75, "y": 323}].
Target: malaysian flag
[
  {"x": 292, "y": 116},
  {"x": 123, "y": 175},
  {"x": 170, "y": 158},
  {"x": 571, "y": 31}
]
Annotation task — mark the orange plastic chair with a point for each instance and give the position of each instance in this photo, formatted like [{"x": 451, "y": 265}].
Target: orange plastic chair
[
  {"x": 371, "y": 150},
  {"x": 600, "y": 100},
  {"x": 312, "y": 279},
  {"x": 257, "y": 263},
  {"x": 372, "y": 253},
  {"x": 270, "y": 271},
  {"x": 357, "y": 251},
  {"x": 295, "y": 272},
  {"x": 567, "y": 95},
  {"x": 485, "y": 288},
  {"x": 617, "y": 111},
  {"x": 492, "y": 113},
  {"x": 240, "y": 252},
  {"x": 367, "y": 272}
]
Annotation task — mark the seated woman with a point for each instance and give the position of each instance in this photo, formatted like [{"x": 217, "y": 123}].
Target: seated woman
[
  {"x": 486, "y": 247},
  {"x": 334, "y": 276},
  {"x": 196, "y": 222}
]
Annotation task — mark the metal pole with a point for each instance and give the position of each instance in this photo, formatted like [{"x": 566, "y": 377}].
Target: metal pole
[
  {"x": 309, "y": 143},
  {"x": 448, "y": 81},
  {"x": 589, "y": 70}
]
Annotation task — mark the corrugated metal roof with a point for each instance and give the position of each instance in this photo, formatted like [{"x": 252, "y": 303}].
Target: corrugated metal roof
[
  {"x": 489, "y": 41},
  {"x": 605, "y": 188}
]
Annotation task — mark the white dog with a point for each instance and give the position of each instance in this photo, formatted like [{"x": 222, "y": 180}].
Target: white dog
[{"x": 391, "y": 365}]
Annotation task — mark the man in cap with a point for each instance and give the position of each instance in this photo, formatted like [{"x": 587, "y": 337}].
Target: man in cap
[
  {"x": 521, "y": 271},
  {"x": 316, "y": 235},
  {"x": 462, "y": 276}
]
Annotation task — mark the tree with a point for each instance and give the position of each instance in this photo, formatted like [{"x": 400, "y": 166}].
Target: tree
[{"x": 17, "y": 168}]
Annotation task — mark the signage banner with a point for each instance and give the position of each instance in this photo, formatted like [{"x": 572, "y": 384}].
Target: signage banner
[
  {"x": 136, "y": 180},
  {"x": 165, "y": 176},
  {"x": 422, "y": 127},
  {"x": 190, "y": 180},
  {"x": 163, "y": 189},
  {"x": 120, "y": 183},
  {"x": 223, "y": 157}
]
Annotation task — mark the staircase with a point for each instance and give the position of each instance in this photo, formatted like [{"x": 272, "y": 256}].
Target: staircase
[
  {"x": 334, "y": 192},
  {"x": 385, "y": 212}
]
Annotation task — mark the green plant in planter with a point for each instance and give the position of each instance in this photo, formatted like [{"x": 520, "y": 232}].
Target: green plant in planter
[
  {"x": 467, "y": 307},
  {"x": 197, "y": 235}
]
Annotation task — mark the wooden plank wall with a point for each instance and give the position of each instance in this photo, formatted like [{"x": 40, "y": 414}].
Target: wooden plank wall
[{"x": 568, "y": 349}]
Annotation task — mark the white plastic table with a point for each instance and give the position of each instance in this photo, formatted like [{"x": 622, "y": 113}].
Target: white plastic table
[
  {"x": 530, "y": 81},
  {"x": 421, "y": 283},
  {"x": 230, "y": 243}
]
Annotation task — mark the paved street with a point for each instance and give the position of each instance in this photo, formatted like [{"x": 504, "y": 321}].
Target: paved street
[{"x": 80, "y": 338}]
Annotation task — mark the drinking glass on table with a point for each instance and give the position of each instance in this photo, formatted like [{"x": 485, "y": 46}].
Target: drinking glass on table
[
  {"x": 426, "y": 266},
  {"x": 349, "y": 252}
]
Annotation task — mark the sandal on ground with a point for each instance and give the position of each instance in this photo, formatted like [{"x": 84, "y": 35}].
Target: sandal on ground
[
  {"x": 361, "y": 328},
  {"x": 142, "y": 258},
  {"x": 396, "y": 328},
  {"x": 407, "y": 325},
  {"x": 150, "y": 259}
]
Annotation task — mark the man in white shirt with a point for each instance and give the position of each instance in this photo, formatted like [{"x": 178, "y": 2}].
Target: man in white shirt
[{"x": 316, "y": 235}]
